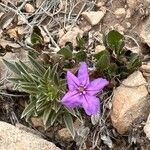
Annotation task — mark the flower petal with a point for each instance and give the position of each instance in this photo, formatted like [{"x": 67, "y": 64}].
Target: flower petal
[
  {"x": 71, "y": 99},
  {"x": 72, "y": 81},
  {"x": 96, "y": 85},
  {"x": 83, "y": 74},
  {"x": 91, "y": 104}
]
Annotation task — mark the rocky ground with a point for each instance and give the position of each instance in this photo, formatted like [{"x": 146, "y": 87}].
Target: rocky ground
[{"x": 125, "y": 119}]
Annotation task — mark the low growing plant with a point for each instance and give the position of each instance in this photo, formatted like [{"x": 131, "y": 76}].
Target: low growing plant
[
  {"x": 116, "y": 60},
  {"x": 45, "y": 88}
]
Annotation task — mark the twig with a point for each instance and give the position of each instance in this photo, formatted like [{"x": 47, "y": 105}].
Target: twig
[
  {"x": 51, "y": 38},
  {"x": 65, "y": 16},
  {"x": 78, "y": 16},
  {"x": 24, "y": 19},
  {"x": 130, "y": 37},
  {"x": 11, "y": 95}
]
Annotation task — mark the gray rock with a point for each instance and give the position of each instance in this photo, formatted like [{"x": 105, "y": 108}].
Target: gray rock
[
  {"x": 93, "y": 17},
  {"x": 69, "y": 36},
  {"x": 13, "y": 138},
  {"x": 120, "y": 12},
  {"x": 145, "y": 32},
  {"x": 130, "y": 102},
  {"x": 5, "y": 72},
  {"x": 147, "y": 127},
  {"x": 64, "y": 134},
  {"x": 133, "y": 3}
]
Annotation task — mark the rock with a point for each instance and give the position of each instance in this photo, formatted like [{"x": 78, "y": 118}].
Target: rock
[
  {"x": 93, "y": 17},
  {"x": 37, "y": 121},
  {"x": 12, "y": 33},
  {"x": 132, "y": 3},
  {"x": 20, "y": 30},
  {"x": 120, "y": 12},
  {"x": 99, "y": 48},
  {"x": 145, "y": 68},
  {"x": 64, "y": 134},
  {"x": 130, "y": 102},
  {"x": 128, "y": 25},
  {"x": 85, "y": 26},
  {"x": 38, "y": 3},
  {"x": 145, "y": 32},
  {"x": 5, "y": 72},
  {"x": 147, "y": 77},
  {"x": 21, "y": 20},
  {"x": 13, "y": 138},
  {"x": 70, "y": 35},
  {"x": 147, "y": 127},
  {"x": 100, "y": 4},
  {"x": 11, "y": 44},
  {"x": 128, "y": 14},
  {"x": 29, "y": 8},
  {"x": 77, "y": 124}
]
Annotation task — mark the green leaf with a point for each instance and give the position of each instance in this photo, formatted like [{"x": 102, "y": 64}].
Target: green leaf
[
  {"x": 25, "y": 67},
  {"x": 134, "y": 63},
  {"x": 67, "y": 53},
  {"x": 15, "y": 80},
  {"x": 52, "y": 118},
  {"x": 80, "y": 42},
  {"x": 31, "y": 89},
  {"x": 12, "y": 67},
  {"x": 71, "y": 111},
  {"x": 54, "y": 71},
  {"x": 39, "y": 68},
  {"x": 115, "y": 41},
  {"x": 41, "y": 106},
  {"x": 34, "y": 54},
  {"x": 20, "y": 68},
  {"x": 78, "y": 115},
  {"x": 69, "y": 46},
  {"x": 47, "y": 74},
  {"x": 69, "y": 124},
  {"x": 29, "y": 109},
  {"x": 56, "y": 106},
  {"x": 100, "y": 54},
  {"x": 41, "y": 98},
  {"x": 103, "y": 62},
  {"x": 81, "y": 56},
  {"x": 112, "y": 69},
  {"x": 28, "y": 78},
  {"x": 46, "y": 115},
  {"x": 36, "y": 36}
]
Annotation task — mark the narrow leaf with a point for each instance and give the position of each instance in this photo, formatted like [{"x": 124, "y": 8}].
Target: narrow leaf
[
  {"x": 46, "y": 115},
  {"x": 29, "y": 109},
  {"x": 12, "y": 67},
  {"x": 39, "y": 68},
  {"x": 69, "y": 124}
]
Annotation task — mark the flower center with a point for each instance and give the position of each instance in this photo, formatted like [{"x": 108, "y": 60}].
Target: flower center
[{"x": 81, "y": 90}]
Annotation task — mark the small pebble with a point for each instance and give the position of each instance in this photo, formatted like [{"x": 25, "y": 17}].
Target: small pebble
[
  {"x": 29, "y": 8},
  {"x": 120, "y": 12}
]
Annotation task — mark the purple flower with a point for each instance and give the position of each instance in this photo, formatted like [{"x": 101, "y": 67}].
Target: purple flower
[{"x": 82, "y": 92}]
